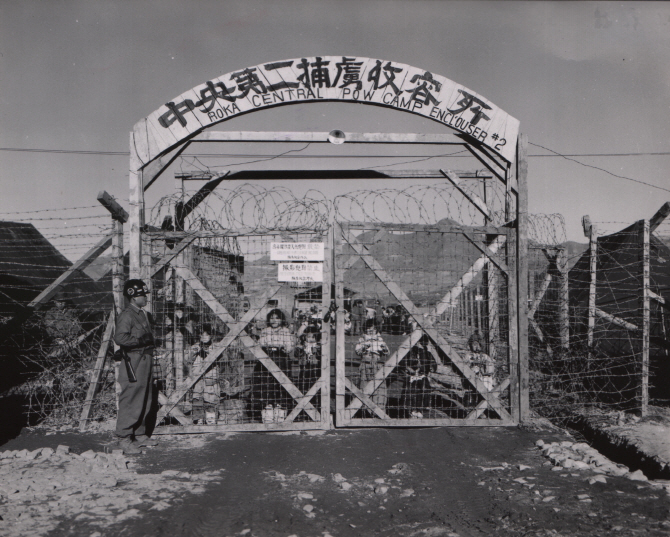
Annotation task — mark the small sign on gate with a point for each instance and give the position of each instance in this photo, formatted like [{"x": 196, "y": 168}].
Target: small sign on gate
[
  {"x": 300, "y": 272},
  {"x": 296, "y": 251}
]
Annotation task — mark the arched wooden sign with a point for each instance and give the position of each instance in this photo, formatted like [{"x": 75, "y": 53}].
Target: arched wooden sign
[{"x": 319, "y": 79}]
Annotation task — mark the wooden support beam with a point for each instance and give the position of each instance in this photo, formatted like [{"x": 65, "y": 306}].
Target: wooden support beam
[
  {"x": 591, "y": 232},
  {"x": 540, "y": 295},
  {"x": 645, "y": 312},
  {"x": 471, "y": 197},
  {"x": 81, "y": 264},
  {"x": 522, "y": 278},
  {"x": 182, "y": 210},
  {"x": 487, "y": 161},
  {"x": 323, "y": 137},
  {"x": 563, "y": 298},
  {"x": 108, "y": 202},
  {"x": 156, "y": 167},
  {"x": 96, "y": 373},
  {"x": 450, "y": 298},
  {"x": 340, "y": 359},
  {"x": 363, "y": 397},
  {"x": 659, "y": 217},
  {"x": 358, "y": 174},
  {"x": 487, "y": 252},
  {"x": 615, "y": 320}
]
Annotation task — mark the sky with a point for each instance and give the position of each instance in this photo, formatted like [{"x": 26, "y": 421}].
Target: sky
[{"x": 582, "y": 78}]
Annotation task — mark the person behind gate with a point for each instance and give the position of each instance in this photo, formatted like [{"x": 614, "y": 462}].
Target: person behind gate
[
  {"x": 133, "y": 334},
  {"x": 372, "y": 349},
  {"x": 277, "y": 342}
]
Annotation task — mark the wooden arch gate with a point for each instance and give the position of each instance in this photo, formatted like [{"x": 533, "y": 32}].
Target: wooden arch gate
[{"x": 486, "y": 131}]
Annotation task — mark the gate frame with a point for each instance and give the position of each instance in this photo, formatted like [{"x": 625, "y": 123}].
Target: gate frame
[
  {"x": 512, "y": 174},
  {"x": 361, "y": 396}
]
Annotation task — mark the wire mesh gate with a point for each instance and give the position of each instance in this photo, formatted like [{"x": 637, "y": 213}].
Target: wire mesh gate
[
  {"x": 427, "y": 330},
  {"x": 239, "y": 350}
]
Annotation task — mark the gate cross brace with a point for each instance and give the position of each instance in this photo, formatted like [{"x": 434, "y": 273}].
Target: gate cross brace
[
  {"x": 427, "y": 327},
  {"x": 236, "y": 328}
]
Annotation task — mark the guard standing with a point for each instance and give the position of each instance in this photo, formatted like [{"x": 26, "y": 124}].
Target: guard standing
[{"x": 133, "y": 334}]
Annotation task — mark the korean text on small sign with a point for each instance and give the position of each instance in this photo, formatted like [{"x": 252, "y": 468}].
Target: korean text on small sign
[
  {"x": 300, "y": 272},
  {"x": 296, "y": 251}
]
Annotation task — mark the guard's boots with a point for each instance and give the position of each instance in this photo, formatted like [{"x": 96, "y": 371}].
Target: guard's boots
[
  {"x": 130, "y": 446},
  {"x": 143, "y": 440}
]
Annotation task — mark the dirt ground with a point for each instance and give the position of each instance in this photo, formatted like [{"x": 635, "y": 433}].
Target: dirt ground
[{"x": 395, "y": 482}]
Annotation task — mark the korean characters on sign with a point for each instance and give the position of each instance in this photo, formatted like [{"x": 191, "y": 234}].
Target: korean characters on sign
[{"x": 305, "y": 261}]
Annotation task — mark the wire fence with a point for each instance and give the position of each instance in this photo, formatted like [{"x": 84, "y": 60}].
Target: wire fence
[{"x": 584, "y": 352}]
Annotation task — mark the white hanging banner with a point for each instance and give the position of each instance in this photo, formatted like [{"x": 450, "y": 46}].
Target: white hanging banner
[
  {"x": 300, "y": 272},
  {"x": 296, "y": 251}
]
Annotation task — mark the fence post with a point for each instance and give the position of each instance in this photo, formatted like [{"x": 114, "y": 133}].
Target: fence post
[
  {"x": 563, "y": 298},
  {"x": 645, "y": 311},
  {"x": 522, "y": 273},
  {"x": 590, "y": 231}
]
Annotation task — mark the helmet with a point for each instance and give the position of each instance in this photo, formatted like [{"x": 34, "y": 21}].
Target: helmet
[{"x": 134, "y": 288}]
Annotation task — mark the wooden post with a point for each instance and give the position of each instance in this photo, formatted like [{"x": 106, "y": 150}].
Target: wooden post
[
  {"x": 522, "y": 271},
  {"x": 96, "y": 373},
  {"x": 325, "y": 332},
  {"x": 512, "y": 307},
  {"x": 590, "y": 231},
  {"x": 136, "y": 217},
  {"x": 645, "y": 311},
  {"x": 340, "y": 358},
  {"x": 563, "y": 298}
]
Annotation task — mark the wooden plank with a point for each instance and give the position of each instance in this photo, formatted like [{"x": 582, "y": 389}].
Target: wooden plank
[
  {"x": 168, "y": 257},
  {"x": 659, "y": 217},
  {"x": 491, "y": 278},
  {"x": 537, "y": 329},
  {"x": 426, "y": 325},
  {"x": 483, "y": 405},
  {"x": 522, "y": 279},
  {"x": 96, "y": 373},
  {"x": 340, "y": 418},
  {"x": 118, "y": 276},
  {"x": 487, "y": 252},
  {"x": 563, "y": 298},
  {"x": 207, "y": 234},
  {"x": 442, "y": 228},
  {"x": 304, "y": 400},
  {"x": 540, "y": 295},
  {"x": 175, "y": 412},
  {"x": 471, "y": 197},
  {"x": 428, "y": 422},
  {"x": 645, "y": 311},
  {"x": 380, "y": 376},
  {"x": 325, "y": 331},
  {"x": 512, "y": 301},
  {"x": 81, "y": 264},
  {"x": 136, "y": 220},
  {"x": 322, "y": 137},
  {"x": 156, "y": 167},
  {"x": 593, "y": 265},
  {"x": 450, "y": 298},
  {"x": 486, "y": 160},
  {"x": 615, "y": 320},
  {"x": 108, "y": 202},
  {"x": 366, "y": 400},
  {"x": 201, "y": 195},
  {"x": 362, "y": 174},
  {"x": 240, "y": 427}
]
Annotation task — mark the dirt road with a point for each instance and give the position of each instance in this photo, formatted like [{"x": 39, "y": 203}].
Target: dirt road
[{"x": 387, "y": 482}]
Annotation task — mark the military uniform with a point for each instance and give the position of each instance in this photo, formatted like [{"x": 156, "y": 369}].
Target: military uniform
[{"x": 133, "y": 333}]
